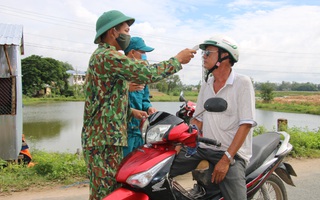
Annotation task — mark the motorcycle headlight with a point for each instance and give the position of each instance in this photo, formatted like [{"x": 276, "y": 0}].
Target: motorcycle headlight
[
  {"x": 142, "y": 179},
  {"x": 156, "y": 133}
]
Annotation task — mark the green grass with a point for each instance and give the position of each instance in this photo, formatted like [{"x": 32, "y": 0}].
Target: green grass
[
  {"x": 29, "y": 101},
  {"x": 294, "y": 93},
  {"x": 305, "y": 142},
  {"x": 54, "y": 168},
  {"x": 306, "y": 108},
  {"x": 290, "y": 93},
  {"x": 167, "y": 98},
  {"x": 51, "y": 168}
]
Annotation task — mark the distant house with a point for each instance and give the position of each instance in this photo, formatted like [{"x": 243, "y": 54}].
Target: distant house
[{"x": 76, "y": 77}]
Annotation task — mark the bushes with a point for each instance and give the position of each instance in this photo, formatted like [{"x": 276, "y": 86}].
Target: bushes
[
  {"x": 58, "y": 166},
  {"x": 306, "y": 143},
  {"x": 50, "y": 168}
]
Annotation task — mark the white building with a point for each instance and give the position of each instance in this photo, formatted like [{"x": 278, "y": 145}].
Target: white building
[{"x": 76, "y": 77}]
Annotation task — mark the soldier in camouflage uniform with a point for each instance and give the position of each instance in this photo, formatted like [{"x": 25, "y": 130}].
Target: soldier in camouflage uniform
[{"x": 106, "y": 109}]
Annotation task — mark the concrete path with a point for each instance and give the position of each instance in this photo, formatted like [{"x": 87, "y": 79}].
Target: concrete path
[{"x": 307, "y": 185}]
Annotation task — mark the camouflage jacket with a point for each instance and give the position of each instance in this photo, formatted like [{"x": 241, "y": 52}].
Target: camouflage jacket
[{"x": 106, "y": 108}]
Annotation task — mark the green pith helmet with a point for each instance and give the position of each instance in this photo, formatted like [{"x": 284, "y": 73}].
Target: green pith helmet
[
  {"x": 108, "y": 20},
  {"x": 224, "y": 43}
]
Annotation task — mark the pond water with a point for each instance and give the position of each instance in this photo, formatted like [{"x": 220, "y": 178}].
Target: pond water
[{"x": 57, "y": 126}]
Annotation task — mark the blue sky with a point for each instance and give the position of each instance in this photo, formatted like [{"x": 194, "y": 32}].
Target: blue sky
[{"x": 279, "y": 40}]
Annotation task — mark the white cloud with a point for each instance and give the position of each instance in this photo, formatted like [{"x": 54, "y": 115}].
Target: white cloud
[
  {"x": 279, "y": 41},
  {"x": 283, "y": 40}
]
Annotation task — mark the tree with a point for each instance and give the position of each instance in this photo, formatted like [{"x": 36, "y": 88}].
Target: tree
[
  {"x": 284, "y": 86},
  {"x": 39, "y": 73},
  {"x": 304, "y": 87},
  {"x": 173, "y": 82},
  {"x": 59, "y": 77},
  {"x": 67, "y": 66},
  {"x": 31, "y": 80},
  {"x": 266, "y": 90},
  {"x": 199, "y": 86}
]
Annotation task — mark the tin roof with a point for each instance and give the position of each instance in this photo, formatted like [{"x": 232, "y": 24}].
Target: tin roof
[
  {"x": 11, "y": 34},
  {"x": 76, "y": 72}
]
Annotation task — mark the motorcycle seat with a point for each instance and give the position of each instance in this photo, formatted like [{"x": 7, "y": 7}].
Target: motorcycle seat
[{"x": 262, "y": 146}]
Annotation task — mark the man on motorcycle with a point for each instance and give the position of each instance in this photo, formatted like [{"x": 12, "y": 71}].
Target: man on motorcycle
[{"x": 232, "y": 127}]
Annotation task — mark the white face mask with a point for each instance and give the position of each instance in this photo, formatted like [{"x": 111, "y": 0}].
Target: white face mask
[{"x": 143, "y": 56}]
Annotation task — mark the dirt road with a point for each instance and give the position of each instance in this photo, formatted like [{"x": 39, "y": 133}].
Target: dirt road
[{"x": 307, "y": 185}]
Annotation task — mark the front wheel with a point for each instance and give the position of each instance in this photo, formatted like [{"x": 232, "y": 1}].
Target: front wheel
[{"x": 272, "y": 189}]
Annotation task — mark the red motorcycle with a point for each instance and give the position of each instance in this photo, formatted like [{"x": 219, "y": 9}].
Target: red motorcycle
[{"x": 144, "y": 173}]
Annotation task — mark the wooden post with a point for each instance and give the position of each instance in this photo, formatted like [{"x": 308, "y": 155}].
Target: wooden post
[{"x": 282, "y": 124}]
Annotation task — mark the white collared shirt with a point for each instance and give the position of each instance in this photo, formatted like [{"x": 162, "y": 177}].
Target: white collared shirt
[{"x": 239, "y": 94}]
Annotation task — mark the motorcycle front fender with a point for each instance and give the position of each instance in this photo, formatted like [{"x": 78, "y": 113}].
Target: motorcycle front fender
[{"x": 125, "y": 194}]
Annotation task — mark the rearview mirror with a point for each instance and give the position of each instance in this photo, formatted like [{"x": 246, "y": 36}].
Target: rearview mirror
[
  {"x": 216, "y": 104},
  {"x": 181, "y": 98}
]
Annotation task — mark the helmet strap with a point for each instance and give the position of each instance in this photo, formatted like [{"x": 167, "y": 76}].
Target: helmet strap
[{"x": 217, "y": 64}]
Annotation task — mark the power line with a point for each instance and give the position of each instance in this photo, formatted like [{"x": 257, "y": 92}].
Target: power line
[
  {"x": 55, "y": 48},
  {"x": 47, "y": 18},
  {"x": 80, "y": 25},
  {"x": 282, "y": 52},
  {"x": 164, "y": 40},
  {"x": 243, "y": 52},
  {"x": 60, "y": 39},
  {"x": 157, "y": 61},
  {"x": 280, "y": 72}
]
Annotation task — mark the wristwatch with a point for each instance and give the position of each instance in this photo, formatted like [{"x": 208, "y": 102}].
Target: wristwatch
[{"x": 232, "y": 161}]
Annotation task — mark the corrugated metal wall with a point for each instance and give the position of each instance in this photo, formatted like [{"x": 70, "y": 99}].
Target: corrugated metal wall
[{"x": 11, "y": 45}]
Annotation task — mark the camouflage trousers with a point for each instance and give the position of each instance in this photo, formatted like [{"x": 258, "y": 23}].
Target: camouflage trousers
[{"x": 102, "y": 163}]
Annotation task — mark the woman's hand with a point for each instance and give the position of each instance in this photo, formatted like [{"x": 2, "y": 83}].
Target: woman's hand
[
  {"x": 139, "y": 114},
  {"x": 135, "y": 87}
]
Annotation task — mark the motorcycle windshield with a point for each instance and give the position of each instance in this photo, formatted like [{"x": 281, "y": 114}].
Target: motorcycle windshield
[{"x": 164, "y": 118}]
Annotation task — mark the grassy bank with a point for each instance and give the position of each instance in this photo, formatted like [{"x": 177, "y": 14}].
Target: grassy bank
[
  {"x": 53, "y": 169},
  {"x": 293, "y": 101},
  {"x": 159, "y": 96},
  {"x": 50, "y": 169},
  {"x": 306, "y": 107},
  {"x": 30, "y": 101},
  {"x": 293, "y": 93}
]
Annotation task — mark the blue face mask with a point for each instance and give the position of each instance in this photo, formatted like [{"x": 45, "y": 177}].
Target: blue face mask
[{"x": 143, "y": 56}]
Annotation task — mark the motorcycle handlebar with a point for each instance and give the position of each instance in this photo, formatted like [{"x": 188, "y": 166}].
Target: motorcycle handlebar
[{"x": 209, "y": 141}]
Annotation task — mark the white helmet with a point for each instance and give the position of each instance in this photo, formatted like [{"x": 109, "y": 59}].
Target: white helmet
[{"x": 223, "y": 42}]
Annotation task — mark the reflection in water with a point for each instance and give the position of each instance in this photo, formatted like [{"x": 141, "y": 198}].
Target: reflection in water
[
  {"x": 57, "y": 126},
  {"x": 53, "y": 126},
  {"x": 37, "y": 130}
]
